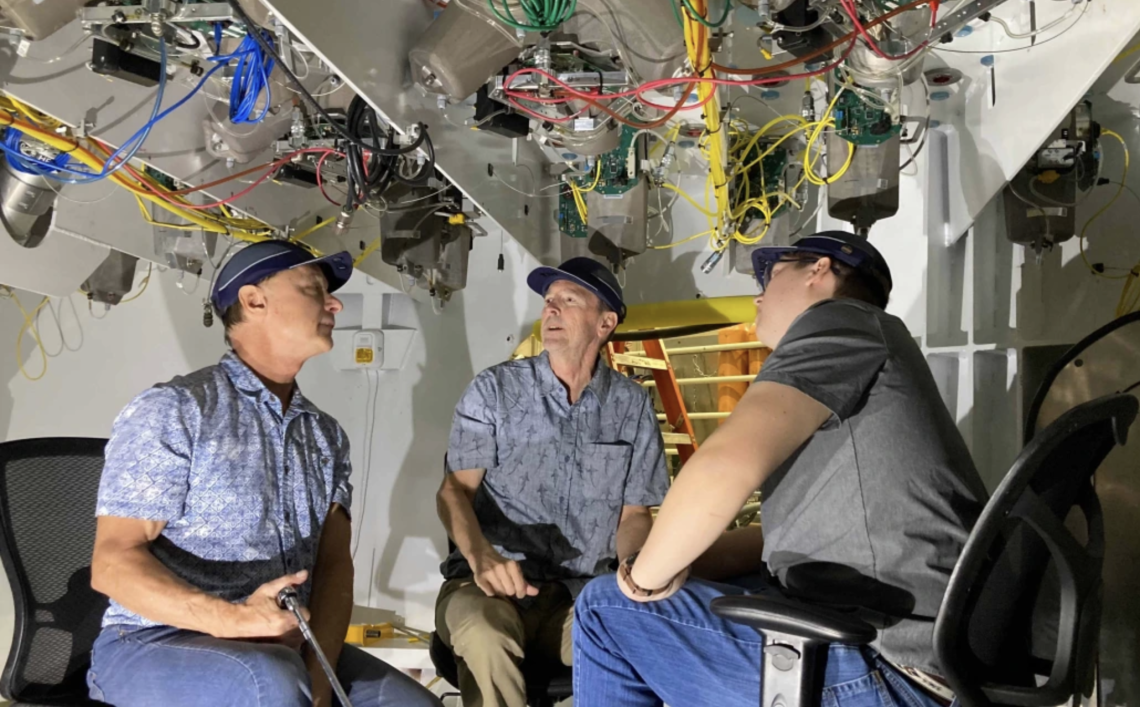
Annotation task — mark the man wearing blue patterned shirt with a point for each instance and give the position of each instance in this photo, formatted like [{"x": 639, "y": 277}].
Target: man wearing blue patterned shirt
[
  {"x": 552, "y": 465},
  {"x": 221, "y": 488}
]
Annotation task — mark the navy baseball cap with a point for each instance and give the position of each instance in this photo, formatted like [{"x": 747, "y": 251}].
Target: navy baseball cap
[
  {"x": 254, "y": 263},
  {"x": 588, "y": 273},
  {"x": 847, "y": 248}
]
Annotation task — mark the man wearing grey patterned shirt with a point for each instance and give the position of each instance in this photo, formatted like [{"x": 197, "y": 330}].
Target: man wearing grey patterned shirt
[
  {"x": 221, "y": 488},
  {"x": 552, "y": 466}
]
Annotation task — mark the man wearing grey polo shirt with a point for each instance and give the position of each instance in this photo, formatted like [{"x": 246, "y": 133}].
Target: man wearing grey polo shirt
[
  {"x": 552, "y": 466},
  {"x": 867, "y": 486}
]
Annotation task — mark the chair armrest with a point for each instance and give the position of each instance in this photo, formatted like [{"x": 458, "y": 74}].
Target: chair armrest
[{"x": 780, "y": 614}]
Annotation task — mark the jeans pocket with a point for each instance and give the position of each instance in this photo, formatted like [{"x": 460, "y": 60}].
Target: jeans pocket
[{"x": 867, "y": 691}]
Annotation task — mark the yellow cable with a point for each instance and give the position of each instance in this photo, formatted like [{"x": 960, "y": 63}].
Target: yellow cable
[
  {"x": 1119, "y": 190},
  {"x": 367, "y": 251},
  {"x": 311, "y": 230},
  {"x": 690, "y": 199},
  {"x": 29, "y": 325},
  {"x": 597, "y": 178},
  {"x": 145, "y": 282},
  {"x": 685, "y": 240},
  {"x": 809, "y": 164},
  {"x": 1127, "y": 53},
  {"x": 242, "y": 229}
]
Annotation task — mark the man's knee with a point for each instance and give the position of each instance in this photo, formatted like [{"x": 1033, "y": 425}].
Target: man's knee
[
  {"x": 487, "y": 628},
  {"x": 601, "y": 591},
  {"x": 492, "y": 625},
  {"x": 277, "y": 676}
]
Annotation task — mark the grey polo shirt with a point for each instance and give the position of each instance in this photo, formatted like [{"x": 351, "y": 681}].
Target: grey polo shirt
[
  {"x": 557, "y": 474},
  {"x": 886, "y": 487}
]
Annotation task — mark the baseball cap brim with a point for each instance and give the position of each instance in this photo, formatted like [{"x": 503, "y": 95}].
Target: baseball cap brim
[
  {"x": 541, "y": 278},
  {"x": 336, "y": 267}
]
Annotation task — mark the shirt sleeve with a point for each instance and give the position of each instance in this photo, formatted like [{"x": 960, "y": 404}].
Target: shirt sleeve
[
  {"x": 648, "y": 477},
  {"x": 472, "y": 443},
  {"x": 146, "y": 474},
  {"x": 832, "y": 353},
  {"x": 342, "y": 472}
]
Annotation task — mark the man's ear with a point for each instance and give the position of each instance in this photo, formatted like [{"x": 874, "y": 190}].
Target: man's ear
[
  {"x": 821, "y": 268},
  {"x": 609, "y": 322},
  {"x": 253, "y": 302}
]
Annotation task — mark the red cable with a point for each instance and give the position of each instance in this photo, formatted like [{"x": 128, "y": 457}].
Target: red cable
[
  {"x": 853, "y": 13},
  {"x": 201, "y": 207},
  {"x": 320, "y": 182}
]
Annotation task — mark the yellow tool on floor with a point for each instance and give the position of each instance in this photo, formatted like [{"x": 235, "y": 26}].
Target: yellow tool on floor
[{"x": 367, "y": 634}]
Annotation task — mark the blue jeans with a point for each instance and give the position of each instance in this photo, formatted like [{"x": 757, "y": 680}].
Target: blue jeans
[
  {"x": 170, "y": 667},
  {"x": 679, "y": 653}
]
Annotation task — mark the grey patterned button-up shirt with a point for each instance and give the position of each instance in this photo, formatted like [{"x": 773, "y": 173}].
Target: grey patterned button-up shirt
[
  {"x": 244, "y": 490},
  {"x": 557, "y": 474}
]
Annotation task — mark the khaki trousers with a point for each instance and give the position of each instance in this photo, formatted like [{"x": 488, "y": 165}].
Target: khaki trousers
[{"x": 490, "y": 636}]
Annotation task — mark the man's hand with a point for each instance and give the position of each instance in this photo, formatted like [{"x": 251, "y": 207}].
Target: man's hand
[
  {"x": 259, "y": 616},
  {"x": 499, "y": 577},
  {"x": 674, "y": 586}
]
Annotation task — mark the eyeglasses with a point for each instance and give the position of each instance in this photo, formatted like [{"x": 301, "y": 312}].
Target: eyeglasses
[{"x": 770, "y": 267}]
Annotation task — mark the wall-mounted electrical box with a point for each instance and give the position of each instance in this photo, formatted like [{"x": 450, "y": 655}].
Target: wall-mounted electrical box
[{"x": 371, "y": 349}]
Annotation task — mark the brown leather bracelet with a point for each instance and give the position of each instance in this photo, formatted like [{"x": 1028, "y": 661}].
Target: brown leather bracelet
[{"x": 626, "y": 568}]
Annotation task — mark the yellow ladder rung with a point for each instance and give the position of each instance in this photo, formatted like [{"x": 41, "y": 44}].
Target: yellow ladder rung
[
  {"x": 639, "y": 362},
  {"x": 676, "y": 438}
]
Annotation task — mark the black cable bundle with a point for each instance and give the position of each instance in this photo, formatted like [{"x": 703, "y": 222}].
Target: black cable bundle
[{"x": 362, "y": 180}]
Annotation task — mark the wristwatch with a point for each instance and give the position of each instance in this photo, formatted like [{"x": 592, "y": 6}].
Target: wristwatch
[{"x": 625, "y": 569}]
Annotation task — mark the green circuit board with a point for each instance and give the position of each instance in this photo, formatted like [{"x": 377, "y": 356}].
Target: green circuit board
[
  {"x": 860, "y": 123},
  {"x": 766, "y": 177},
  {"x": 614, "y": 180}
]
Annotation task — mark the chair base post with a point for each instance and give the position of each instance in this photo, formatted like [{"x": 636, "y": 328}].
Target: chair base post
[{"x": 788, "y": 667}]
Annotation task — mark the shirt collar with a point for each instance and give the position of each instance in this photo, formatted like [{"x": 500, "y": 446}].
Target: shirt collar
[
  {"x": 599, "y": 383},
  {"x": 245, "y": 380}
]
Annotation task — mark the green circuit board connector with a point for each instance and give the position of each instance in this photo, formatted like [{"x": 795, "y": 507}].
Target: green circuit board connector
[
  {"x": 613, "y": 181},
  {"x": 859, "y": 123},
  {"x": 767, "y": 177}
]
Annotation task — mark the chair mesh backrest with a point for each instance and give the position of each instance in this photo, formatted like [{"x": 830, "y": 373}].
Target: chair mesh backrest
[
  {"x": 1024, "y": 599},
  {"x": 48, "y": 489}
]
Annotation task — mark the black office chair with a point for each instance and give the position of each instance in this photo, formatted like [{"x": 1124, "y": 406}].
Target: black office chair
[
  {"x": 546, "y": 685},
  {"x": 1023, "y": 600},
  {"x": 48, "y": 489}
]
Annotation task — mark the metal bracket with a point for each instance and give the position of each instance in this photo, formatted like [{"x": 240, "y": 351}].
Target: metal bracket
[
  {"x": 962, "y": 16},
  {"x": 175, "y": 12}
]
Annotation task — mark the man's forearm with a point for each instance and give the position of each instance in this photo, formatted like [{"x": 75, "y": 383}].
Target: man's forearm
[
  {"x": 702, "y": 502},
  {"x": 458, "y": 517},
  {"x": 138, "y": 581},
  {"x": 734, "y": 554},
  {"x": 331, "y": 609},
  {"x": 330, "y": 603},
  {"x": 632, "y": 532}
]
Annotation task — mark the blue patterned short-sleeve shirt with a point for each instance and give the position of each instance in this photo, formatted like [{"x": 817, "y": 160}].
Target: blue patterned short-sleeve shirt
[
  {"x": 243, "y": 488},
  {"x": 557, "y": 475}
]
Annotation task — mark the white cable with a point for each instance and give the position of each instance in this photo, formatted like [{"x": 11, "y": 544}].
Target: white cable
[
  {"x": 69, "y": 50},
  {"x": 371, "y": 398},
  {"x": 1029, "y": 35},
  {"x": 495, "y": 175}
]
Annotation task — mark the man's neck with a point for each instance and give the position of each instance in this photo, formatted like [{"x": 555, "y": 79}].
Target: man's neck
[
  {"x": 278, "y": 373},
  {"x": 574, "y": 369}
]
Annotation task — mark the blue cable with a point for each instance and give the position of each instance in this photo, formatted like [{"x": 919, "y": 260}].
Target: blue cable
[
  {"x": 254, "y": 75},
  {"x": 138, "y": 138},
  {"x": 21, "y": 162},
  {"x": 145, "y": 129},
  {"x": 251, "y": 77}
]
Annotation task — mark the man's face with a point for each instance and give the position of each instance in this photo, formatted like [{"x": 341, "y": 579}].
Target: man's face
[
  {"x": 792, "y": 288},
  {"x": 573, "y": 317},
  {"x": 299, "y": 313}
]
